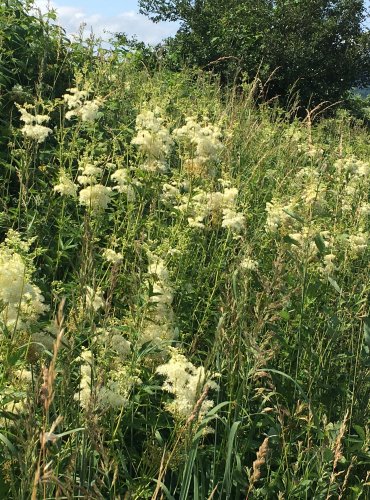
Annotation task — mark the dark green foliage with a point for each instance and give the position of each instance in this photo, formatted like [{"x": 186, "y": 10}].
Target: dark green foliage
[
  {"x": 33, "y": 53},
  {"x": 317, "y": 49}
]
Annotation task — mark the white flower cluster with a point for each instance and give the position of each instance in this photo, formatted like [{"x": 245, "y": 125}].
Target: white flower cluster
[
  {"x": 249, "y": 264},
  {"x": 353, "y": 166},
  {"x": 78, "y": 105},
  {"x": 113, "y": 341},
  {"x": 153, "y": 140},
  {"x": 170, "y": 193},
  {"x": 66, "y": 186},
  {"x": 112, "y": 256},
  {"x": 33, "y": 127},
  {"x": 94, "y": 196},
  {"x": 304, "y": 245},
  {"x": 119, "y": 379},
  {"x": 21, "y": 301},
  {"x": 312, "y": 188},
  {"x": 358, "y": 243},
  {"x": 159, "y": 325},
  {"x": 329, "y": 266},
  {"x": 83, "y": 395},
  {"x": 213, "y": 207},
  {"x": 354, "y": 174},
  {"x": 187, "y": 383},
  {"x": 310, "y": 150},
  {"x": 116, "y": 392},
  {"x": 202, "y": 140},
  {"x": 94, "y": 299},
  {"x": 123, "y": 181},
  {"x": 90, "y": 173},
  {"x": 278, "y": 216}
]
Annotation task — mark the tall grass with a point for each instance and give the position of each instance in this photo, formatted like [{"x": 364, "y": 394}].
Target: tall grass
[{"x": 270, "y": 314}]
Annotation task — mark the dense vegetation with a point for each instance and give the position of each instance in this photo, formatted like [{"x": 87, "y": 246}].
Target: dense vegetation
[
  {"x": 310, "y": 50},
  {"x": 183, "y": 284}
]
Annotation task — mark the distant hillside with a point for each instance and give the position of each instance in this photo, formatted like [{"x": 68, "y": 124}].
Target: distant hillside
[{"x": 363, "y": 92}]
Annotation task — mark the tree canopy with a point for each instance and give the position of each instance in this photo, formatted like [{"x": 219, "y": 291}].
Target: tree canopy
[{"x": 320, "y": 48}]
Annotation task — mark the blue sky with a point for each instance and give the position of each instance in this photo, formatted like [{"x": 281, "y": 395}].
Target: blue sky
[{"x": 104, "y": 16}]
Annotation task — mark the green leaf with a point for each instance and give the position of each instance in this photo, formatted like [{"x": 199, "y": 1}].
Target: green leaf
[
  {"x": 320, "y": 243},
  {"x": 7, "y": 443},
  {"x": 335, "y": 285},
  {"x": 229, "y": 457}
]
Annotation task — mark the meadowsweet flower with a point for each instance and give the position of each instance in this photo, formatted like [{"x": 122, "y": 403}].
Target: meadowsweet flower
[
  {"x": 153, "y": 140},
  {"x": 353, "y": 166},
  {"x": 66, "y": 186},
  {"x": 94, "y": 299},
  {"x": 22, "y": 301},
  {"x": 233, "y": 220},
  {"x": 116, "y": 392},
  {"x": 112, "y": 339},
  {"x": 79, "y": 106},
  {"x": 95, "y": 197},
  {"x": 329, "y": 267},
  {"x": 42, "y": 340},
  {"x": 278, "y": 216},
  {"x": 109, "y": 396},
  {"x": 22, "y": 375},
  {"x": 112, "y": 256},
  {"x": 304, "y": 242},
  {"x": 90, "y": 173},
  {"x": 358, "y": 243},
  {"x": 205, "y": 139},
  {"x": 364, "y": 209},
  {"x": 121, "y": 345},
  {"x": 314, "y": 193},
  {"x": 89, "y": 110},
  {"x": 83, "y": 395},
  {"x": 170, "y": 193},
  {"x": 310, "y": 150},
  {"x": 33, "y": 127},
  {"x": 196, "y": 222},
  {"x": 248, "y": 264},
  {"x": 214, "y": 207},
  {"x": 162, "y": 289},
  {"x": 187, "y": 383},
  {"x": 75, "y": 97},
  {"x": 159, "y": 325},
  {"x": 121, "y": 178}
]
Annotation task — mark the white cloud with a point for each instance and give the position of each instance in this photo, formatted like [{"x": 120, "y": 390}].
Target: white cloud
[{"x": 129, "y": 22}]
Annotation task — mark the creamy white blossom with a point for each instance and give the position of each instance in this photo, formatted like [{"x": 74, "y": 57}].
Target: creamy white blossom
[
  {"x": 83, "y": 395},
  {"x": 187, "y": 383},
  {"x": 22, "y": 301},
  {"x": 235, "y": 221},
  {"x": 94, "y": 299},
  {"x": 95, "y": 197},
  {"x": 79, "y": 106},
  {"x": 248, "y": 264},
  {"x": 66, "y": 186},
  {"x": 153, "y": 140},
  {"x": 33, "y": 127},
  {"x": 112, "y": 256}
]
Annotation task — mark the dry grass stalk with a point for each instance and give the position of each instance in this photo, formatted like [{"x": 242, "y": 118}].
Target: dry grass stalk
[
  {"x": 258, "y": 463},
  {"x": 338, "y": 452},
  {"x": 42, "y": 473}
]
